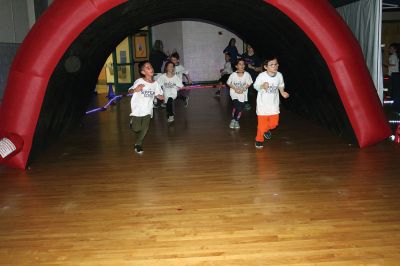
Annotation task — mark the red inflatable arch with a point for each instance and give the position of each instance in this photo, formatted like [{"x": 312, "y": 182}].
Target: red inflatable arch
[{"x": 62, "y": 23}]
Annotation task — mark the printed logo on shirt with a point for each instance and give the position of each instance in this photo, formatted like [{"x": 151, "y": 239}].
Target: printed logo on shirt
[
  {"x": 239, "y": 84},
  {"x": 148, "y": 93},
  {"x": 272, "y": 88},
  {"x": 169, "y": 85}
]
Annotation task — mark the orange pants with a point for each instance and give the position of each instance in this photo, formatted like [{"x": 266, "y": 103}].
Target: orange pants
[{"x": 265, "y": 123}]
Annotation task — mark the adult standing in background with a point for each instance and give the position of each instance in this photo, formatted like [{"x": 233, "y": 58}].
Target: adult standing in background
[
  {"x": 233, "y": 52},
  {"x": 157, "y": 56},
  {"x": 253, "y": 67}
]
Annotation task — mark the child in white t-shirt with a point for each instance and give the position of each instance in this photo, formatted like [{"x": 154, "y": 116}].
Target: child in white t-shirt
[
  {"x": 143, "y": 92},
  {"x": 268, "y": 84},
  {"x": 224, "y": 73},
  {"x": 238, "y": 82},
  {"x": 393, "y": 65},
  {"x": 171, "y": 84},
  {"x": 180, "y": 71}
]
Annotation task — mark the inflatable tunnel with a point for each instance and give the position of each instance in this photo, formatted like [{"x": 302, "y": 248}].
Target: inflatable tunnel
[{"x": 64, "y": 52}]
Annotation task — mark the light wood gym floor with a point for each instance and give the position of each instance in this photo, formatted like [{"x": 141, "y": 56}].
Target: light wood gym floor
[{"x": 201, "y": 194}]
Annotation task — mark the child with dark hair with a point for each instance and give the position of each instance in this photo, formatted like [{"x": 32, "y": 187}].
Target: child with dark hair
[
  {"x": 239, "y": 81},
  {"x": 143, "y": 92},
  {"x": 393, "y": 65},
  {"x": 170, "y": 84},
  {"x": 268, "y": 84},
  {"x": 180, "y": 71},
  {"x": 225, "y": 73}
]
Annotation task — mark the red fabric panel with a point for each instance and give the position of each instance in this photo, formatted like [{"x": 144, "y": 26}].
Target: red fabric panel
[
  {"x": 345, "y": 60},
  {"x": 34, "y": 63}
]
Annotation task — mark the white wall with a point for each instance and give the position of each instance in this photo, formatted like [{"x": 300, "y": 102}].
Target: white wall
[
  {"x": 170, "y": 34},
  {"x": 199, "y": 44}
]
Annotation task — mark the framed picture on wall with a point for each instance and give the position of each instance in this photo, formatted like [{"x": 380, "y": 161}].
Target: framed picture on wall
[{"x": 140, "y": 46}]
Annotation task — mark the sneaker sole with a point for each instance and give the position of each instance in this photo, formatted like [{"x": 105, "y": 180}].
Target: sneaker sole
[{"x": 258, "y": 147}]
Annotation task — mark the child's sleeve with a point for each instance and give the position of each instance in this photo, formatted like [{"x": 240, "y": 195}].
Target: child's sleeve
[
  {"x": 158, "y": 90},
  {"x": 257, "y": 84},
  {"x": 229, "y": 81},
  {"x": 249, "y": 80},
  {"x": 134, "y": 85},
  {"x": 178, "y": 82},
  {"x": 281, "y": 82},
  {"x": 184, "y": 71}
]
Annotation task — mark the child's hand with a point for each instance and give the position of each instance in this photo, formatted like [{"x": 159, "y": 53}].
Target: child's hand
[
  {"x": 160, "y": 97},
  {"x": 265, "y": 85},
  {"x": 285, "y": 94},
  {"x": 139, "y": 87}
]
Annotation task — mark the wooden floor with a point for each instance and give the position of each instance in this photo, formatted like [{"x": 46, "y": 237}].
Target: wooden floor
[{"x": 201, "y": 194}]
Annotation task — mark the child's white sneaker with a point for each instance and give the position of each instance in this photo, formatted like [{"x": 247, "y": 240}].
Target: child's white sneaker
[
  {"x": 232, "y": 124},
  {"x": 171, "y": 119},
  {"x": 237, "y": 124}
]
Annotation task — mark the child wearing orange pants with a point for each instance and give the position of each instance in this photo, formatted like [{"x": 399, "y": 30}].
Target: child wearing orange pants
[{"x": 268, "y": 84}]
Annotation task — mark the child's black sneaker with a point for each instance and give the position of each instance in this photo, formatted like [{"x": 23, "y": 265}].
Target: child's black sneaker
[
  {"x": 138, "y": 149},
  {"x": 259, "y": 145},
  {"x": 267, "y": 135}
]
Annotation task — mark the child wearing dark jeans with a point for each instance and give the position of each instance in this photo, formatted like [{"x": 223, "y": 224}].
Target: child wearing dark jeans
[{"x": 239, "y": 81}]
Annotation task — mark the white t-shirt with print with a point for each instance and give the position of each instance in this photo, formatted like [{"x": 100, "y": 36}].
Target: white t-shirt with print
[
  {"x": 239, "y": 82},
  {"x": 142, "y": 101},
  {"x": 268, "y": 100},
  {"x": 180, "y": 70},
  {"x": 170, "y": 86},
  {"x": 393, "y": 60}
]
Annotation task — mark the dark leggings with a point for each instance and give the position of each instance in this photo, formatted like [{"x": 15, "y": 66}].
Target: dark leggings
[
  {"x": 170, "y": 107},
  {"x": 237, "y": 109}
]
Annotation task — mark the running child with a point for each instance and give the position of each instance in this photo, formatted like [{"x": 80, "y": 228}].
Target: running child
[
  {"x": 224, "y": 73},
  {"x": 180, "y": 71},
  {"x": 143, "y": 92},
  {"x": 268, "y": 84},
  {"x": 238, "y": 82},
  {"x": 171, "y": 84}
]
